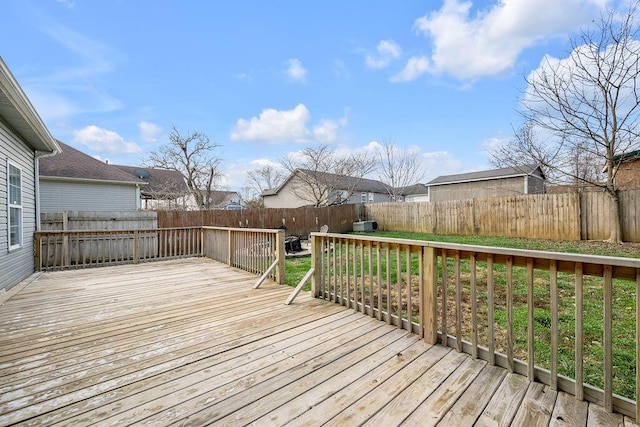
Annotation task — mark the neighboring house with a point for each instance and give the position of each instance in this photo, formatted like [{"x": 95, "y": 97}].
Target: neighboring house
[
  {"x": 75, "y": 181},
  {"x": 24, "y": 140},
  {"x": 628, "y": 173},
  {"x": 305, "y": 187},
  {"x": 490, "y": 183},
  {"x": 416, "y": 193},
  {"x": 166, "y": 189},
  {"x": 227, "y": 200}
]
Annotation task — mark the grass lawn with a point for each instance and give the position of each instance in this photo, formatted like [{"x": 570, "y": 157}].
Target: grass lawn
[{"x": 624, "y": 305}]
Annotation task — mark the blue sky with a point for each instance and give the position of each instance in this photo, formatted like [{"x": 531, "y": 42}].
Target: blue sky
[{"x": 265, "y": 79}]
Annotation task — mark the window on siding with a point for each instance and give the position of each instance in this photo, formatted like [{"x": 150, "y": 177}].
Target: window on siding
[
  {"x": 371, "y": 197},
  {"x": 15, "y": 205},
  {"x": 363, "y": 197}
]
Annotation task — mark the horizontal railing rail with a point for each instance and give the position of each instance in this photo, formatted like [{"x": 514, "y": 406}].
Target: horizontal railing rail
[
  {"x": 253, "y": 250},
  {"x": 565, "y": 320}
]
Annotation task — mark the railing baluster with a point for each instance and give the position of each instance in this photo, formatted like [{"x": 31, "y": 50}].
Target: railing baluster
[
  {"x": 399, "y": 286},
  {"x": 347, "y": 273},
  {"x": 333, "y": 267},
  {"x": 490, "y": 308},
  {"x": 530, "y": 321},
  {"x": 579, "y": 344},
  {"x": 608, "y": 343},
  {"x": 510, "y": 314},
  {"x": 458, "y": 303},
  {"x": 389, "y": 300},
  {"x": 421, "y": 290},
  {"x": 379, "y": 274},
  {"x": 637, "y": 344},
  {"x": 370, "y": 269},
  {"x": 355, "y": 276},
  {"x": 553, "y": 285},
  {"x": 341, "y": 267},
  {"x": 363, "y": 281},
  {"x": 474, "y": 308},
  {"x": 407, "y": 253},
  {"x": 445, "y": 286}
]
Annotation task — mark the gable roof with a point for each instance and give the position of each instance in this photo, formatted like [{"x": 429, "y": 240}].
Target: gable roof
[
  {"x": 76, "y": 165},
  {"x": 159, "y": 181},
  {"x": 219, "y": 198},
  {"x": 415, "y": 190},
  {"x": 350, "y": 182},
  {"x": 486, "y": 175},
  {"x": 16, "y": 110}
]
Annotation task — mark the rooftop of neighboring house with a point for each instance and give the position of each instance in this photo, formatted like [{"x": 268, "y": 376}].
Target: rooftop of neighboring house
[
  {"x": 219, "y": 198},
  {"x": 348, "y": 182},
  {"x": 76, "y": 165},
  {"x": 415, "y": 190},
  {"x": 485, "y": 175},
  {"x": 159, "y": 181},
  {"x": 627, "y": 157}
]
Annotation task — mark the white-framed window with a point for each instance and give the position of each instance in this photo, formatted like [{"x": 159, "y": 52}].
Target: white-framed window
[
  {"x": 363, "y": 197},
  {"x": 371, "y": 197},
  {"x": 14, "y": 191}
]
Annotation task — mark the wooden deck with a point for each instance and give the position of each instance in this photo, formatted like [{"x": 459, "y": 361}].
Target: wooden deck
[{"x": 190, "y": 342}]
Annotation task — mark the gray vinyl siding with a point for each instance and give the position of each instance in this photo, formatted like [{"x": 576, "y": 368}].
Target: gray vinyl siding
[
  {"x": 18, "y": 264},
  {"x": 60, "y": 196}
]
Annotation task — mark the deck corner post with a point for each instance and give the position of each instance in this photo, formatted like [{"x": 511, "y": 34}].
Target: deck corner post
[
  {"x": 429, "y": 295},
  {"x": 280, "y": 256},
  {"x": 316, "y": 253},
  {"x": 229, "y": 248},
  {"x": 37, "y": 250}
]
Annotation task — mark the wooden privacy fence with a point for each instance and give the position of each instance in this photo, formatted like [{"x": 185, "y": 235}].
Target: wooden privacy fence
[
  {"x": 299, "y": 221},
  {"x": 564, "y": 216},
  {"x": 560, "y": 319},
  {"x": 252, "y": 250},
  {"x": 89, "y": 220}
]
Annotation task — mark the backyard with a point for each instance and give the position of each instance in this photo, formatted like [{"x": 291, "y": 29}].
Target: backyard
[{"x": 624, "y": 304}]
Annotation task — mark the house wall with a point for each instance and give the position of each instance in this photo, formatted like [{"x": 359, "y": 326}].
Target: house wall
[
  {"x": 286, "y": 197},
  {"x": 18, "y": 264},
  {"x": 535, "y": 185},
  {"x": 417, "y": 198},
  {"x": 59, "y": 196},
  {"x": 628, "y": 175},
  {"x": 477, "y": 189}
]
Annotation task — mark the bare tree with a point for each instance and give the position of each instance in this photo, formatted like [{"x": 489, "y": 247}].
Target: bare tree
[
  {"x": 261, "y": 179},
  {"x": 398, "y": 168},
  {"x": 322, "y": 177},
  {"x": 591, "y": 101},
  {"x": 196, "y": 157},
  {"x": 573, "y": 164}
]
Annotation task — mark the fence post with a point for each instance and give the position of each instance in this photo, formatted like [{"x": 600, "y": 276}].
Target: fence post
[
  {"x": 316, "y": 253},
  {"x": 281, "y": 257},
  {"x": 429, "y": 295}
]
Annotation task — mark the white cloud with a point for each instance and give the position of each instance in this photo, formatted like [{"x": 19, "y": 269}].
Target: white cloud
[
  {"x": 149, "y": 132},
  {"x": 388, "y": 50},
  {"x": 438, "y": 163},
  {"x": 285, "y": 126},
  {"x": 489, "y": 42},
  {"x": 295, "y": 71},
  {"x": 416, "y": 66},
  {"x": 104, "y": 141}
]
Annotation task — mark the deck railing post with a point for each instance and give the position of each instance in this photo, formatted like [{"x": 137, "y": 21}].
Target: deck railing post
[
  {"x": 37, "y": 250},
  {"x": 280, "y": 256},
  {"x": 429, "y": 295},
  {"x": 316, "y": 253}
]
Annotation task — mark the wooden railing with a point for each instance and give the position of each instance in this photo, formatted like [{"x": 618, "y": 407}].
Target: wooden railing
[
  {"x": 253, "y": 250},
  {"x": 560, "y": 319}
]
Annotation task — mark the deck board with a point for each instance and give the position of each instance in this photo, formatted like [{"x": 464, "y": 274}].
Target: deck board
[{"x": 189, "y": 341}]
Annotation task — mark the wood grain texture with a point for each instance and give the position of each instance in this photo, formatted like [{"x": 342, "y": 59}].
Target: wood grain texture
[{"x": 189, "y": 341}]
